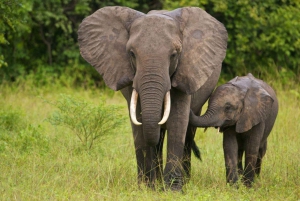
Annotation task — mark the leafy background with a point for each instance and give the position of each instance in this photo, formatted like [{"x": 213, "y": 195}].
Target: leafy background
[{"x": 40, "y": 37}]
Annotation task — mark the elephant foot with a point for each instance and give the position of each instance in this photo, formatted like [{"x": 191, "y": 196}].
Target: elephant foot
[
  {"x": 174, "y": 183},
  {"x": 248, "y": 178},
  {"x": 248, "y": 182},
  {"x": 231, "y": 175},
  {"x": 145, "y": 181},
  {"x": 187, "y": 169},
  {"x": 233, "y": 185},
  {"x": 173, "y": 187}
]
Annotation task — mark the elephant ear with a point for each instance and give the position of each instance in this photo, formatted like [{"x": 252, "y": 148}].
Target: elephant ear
[
  {"x": 257, "y": 107},
  {"x": 102, "y": 39},
  {"x": 203, "y": 50}
]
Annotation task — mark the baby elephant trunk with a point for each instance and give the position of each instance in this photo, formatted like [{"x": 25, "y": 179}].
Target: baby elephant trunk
[{"x": 204, "y": 121}]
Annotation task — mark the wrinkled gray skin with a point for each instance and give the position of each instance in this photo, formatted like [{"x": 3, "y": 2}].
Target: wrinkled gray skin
[
  {"x": 180, "y": 51},
  {"x": 245, "y": 110}
]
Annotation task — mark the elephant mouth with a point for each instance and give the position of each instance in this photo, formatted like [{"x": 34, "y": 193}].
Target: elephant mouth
[
  {"x": 221, "y": 129},
  {"x": 224, "y": 126},
  {"x": 133, "y": 104}
]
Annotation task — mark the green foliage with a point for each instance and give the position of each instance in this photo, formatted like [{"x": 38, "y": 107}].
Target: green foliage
[
  {"x": 9, "y": 17},
  {"x": 36, "y": 34},
  {"x": 264, "y": 36},
  {"x": 171, "y": 5},
  {"x": 17, "y": 134},
  {"x": 70, "y": 76},
  {"x": 87, "y": 121},
  {"x": 261, "y": 33},
  {"x": 11, "y": 119}
]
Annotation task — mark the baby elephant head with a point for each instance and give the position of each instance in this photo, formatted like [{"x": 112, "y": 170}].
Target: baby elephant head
[{"x": 242, "y": 102}]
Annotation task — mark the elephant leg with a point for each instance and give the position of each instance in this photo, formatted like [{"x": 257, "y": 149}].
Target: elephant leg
[
  {"x": 230, "y": 147},
  {"x": 149, "y": 158},
  {"x": 240, "y": 161},
  {"x": 159, "y": 156},
  {"x": 177, "y": 127},
  {"x": 146, "y": 156},
  {"x": 262, "y": 152},
  {"x": 146, "y": 159},
  {"x": 240, "y": 155},
  {"x": 252, "y": 143},
  {"x": 189, "y": 142}
]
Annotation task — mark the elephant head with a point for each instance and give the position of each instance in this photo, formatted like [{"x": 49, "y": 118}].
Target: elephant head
[
  {"x": 153, "y": 53},
  {"x": 242, "y": 102}
]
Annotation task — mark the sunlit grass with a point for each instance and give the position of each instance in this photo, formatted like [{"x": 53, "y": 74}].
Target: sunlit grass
[{"x": 42, "y": 162}]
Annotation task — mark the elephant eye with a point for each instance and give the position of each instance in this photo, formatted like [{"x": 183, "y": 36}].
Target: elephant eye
[
  {"x": 132, "y": 55},
  {"x": 227, "y": 107},
  {"x": 173, "y": 55},
  {"x": 132, "y": 60}
]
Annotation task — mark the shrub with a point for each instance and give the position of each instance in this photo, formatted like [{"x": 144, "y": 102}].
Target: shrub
[
  {"x": 17, "y": 134},
  {"x": 87, "y": 121},
  {"x": 11, "y": 119}
]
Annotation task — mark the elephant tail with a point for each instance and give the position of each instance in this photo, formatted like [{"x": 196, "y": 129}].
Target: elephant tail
[{"x": 196, "y": 150}]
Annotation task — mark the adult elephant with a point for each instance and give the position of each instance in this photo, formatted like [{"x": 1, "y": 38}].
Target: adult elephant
[{"x": 161, "y": 62}]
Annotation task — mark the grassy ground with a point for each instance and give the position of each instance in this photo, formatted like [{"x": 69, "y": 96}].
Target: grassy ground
[{"x": 42, "y": 162}]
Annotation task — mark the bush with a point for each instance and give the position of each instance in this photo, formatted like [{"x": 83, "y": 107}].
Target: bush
[
  {"x": 16, "y": 134},
  {"x": 69, "y": 76},
  {"x": 87, "y": 121},
  {"x": 11, "y": 119}
]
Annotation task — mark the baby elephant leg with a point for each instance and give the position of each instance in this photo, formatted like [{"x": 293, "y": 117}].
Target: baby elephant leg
[
  {"x": 240, "y": 154},
  {"x": 262, "y": 152},
  {"x": 230, "y": 146},
  {"x": 252, "y": 143}
]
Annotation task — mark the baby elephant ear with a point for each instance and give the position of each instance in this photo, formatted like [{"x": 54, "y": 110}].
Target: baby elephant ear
[
  {"x": 102, "y": 39},
  {"x": 204, "y": 46},
  {"x": 257, "y": 107}
]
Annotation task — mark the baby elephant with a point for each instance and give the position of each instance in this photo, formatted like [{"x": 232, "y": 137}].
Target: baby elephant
[{"x": 244, "y": 109}]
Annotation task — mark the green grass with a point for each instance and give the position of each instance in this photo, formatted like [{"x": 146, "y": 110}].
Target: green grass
[{"x": 40, "y": 161}]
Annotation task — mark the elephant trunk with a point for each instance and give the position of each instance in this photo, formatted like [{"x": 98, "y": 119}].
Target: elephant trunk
[
  {"x": 209, "y": 119},
  {"x": 154, "y": 96},
  {"x": 151, "y": 104}
]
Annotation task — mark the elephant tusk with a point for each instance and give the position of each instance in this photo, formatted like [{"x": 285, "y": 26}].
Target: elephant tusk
[
  {"x": 218, "y": 130},
  {"x": 133, "y": 103},
  {"x": 167, "y": 108}
]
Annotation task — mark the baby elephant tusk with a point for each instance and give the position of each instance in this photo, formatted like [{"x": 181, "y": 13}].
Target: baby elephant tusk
[
  {"x": 133, "y": 103},
  {"x": 167, "y": 108}
]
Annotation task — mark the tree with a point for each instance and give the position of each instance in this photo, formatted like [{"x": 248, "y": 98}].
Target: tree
[
  {"x": 43, "y": 34},
  {"x": 9, "y": 18},
  {"x": 262, "y": 34}
]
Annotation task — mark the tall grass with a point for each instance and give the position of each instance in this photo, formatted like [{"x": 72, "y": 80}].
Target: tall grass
[{"x": 40, "y": 161}]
